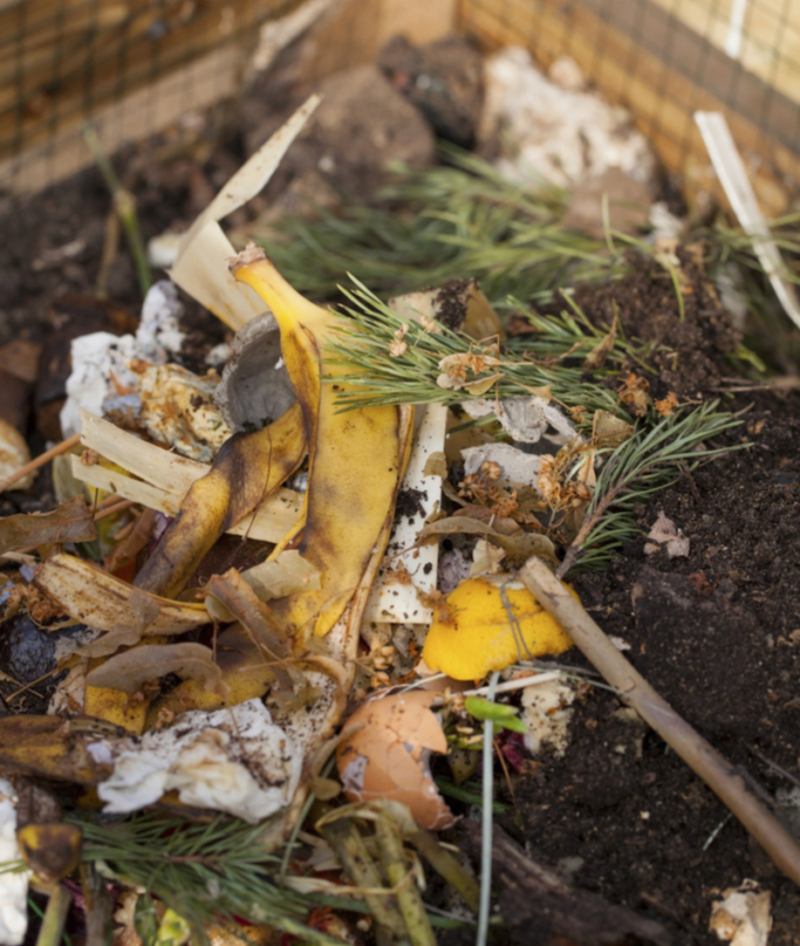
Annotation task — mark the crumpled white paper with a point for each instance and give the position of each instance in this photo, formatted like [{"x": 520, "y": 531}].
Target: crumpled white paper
[
  {"x": 233, "y": 760},
  {"x": 561, "y": 135},
  {"x": 525, "y": 419},
  {"x": 515, "y": 465},
  {"x": 100, "y": 360},
  {"x": 13, "y": 886}
]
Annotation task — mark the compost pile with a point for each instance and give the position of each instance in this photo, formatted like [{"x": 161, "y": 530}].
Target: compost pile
[{"x": 276, "y": 662}]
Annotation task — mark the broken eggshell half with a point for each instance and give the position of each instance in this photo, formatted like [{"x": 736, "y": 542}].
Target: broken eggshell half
[{"x": 384, "y": 754}]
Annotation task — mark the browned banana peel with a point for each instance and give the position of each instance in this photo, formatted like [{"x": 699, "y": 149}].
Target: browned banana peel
[
  {"x": 99, "y": 600},
  {"x": 248, "y": 468},
  {"x": 356, "y": 459}
]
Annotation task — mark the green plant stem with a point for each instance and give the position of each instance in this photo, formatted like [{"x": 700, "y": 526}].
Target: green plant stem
[
  {"x": 125, "y": 206},
  {"x": 54, "y": 916},
  {"x": 352, "y": 853},
  {"x": 390, "y": 847}
]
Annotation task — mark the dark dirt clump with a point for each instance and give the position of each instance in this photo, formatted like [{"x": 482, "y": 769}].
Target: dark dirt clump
[{"x": 689, "y": 351}]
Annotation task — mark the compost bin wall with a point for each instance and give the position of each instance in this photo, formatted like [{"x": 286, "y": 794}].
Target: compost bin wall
[{"x": 134, "y": 66}]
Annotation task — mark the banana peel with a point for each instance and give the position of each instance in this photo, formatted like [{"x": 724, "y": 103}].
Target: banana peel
[
  {"x": 53, "y": 748},
  {"x": 248, "y": 468},
  {"x": 356, "y": 459}
]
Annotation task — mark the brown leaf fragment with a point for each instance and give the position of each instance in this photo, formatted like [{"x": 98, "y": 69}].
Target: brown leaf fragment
[
  {"x": 71, "y": 522},
  {"x": 240, "y": 599},
  {"x": 600, "y": 352},
  {"x": 519, "y": 544},
  {"x": 633, "y": 393},
  {"x": 99, "y": 600},
  {"x": 144, "y": 610},
  {"x": 130, "y": 670}
]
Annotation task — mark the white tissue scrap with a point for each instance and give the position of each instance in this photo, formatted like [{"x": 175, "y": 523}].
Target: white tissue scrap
[
  {"x": 515, "y": 465},
  {"x": 525, "y": 419},
  {"x": 13, "y": 886},
  {"x": 547, "y": 131},
  {"x": 743, "y": 916},
  {"x": 233, "y": 760},
  {"x": 665, "y": 535},
  {"x": 158, "y": 333},
  {"x": 96, "y": 358},
  {"x": 547, "y": 711},
  {"x": 101, "y": 377}
]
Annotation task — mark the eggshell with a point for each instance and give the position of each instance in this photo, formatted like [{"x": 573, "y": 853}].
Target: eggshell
[{"x": 387, "y": 758}]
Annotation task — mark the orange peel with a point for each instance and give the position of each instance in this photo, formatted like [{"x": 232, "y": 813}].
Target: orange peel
[{"x": 474, "y": 635}]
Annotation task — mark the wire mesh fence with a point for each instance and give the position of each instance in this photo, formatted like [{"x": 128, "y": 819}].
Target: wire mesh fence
[
  {"x": 134, "y": 65},
  {"x": 664, "y": 59},
  {"x": 130, "y": 65}
]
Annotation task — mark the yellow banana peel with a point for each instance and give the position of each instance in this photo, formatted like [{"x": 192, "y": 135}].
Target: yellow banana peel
[
  {"x": 247, "y": 469},
  {"x": 356, "y": 459}
]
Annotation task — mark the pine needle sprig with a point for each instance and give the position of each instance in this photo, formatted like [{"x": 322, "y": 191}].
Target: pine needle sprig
[
  {"x": 650, "y": 460},
  {"x": 219, "y": 870},
  {"x": 375, "y": 376},
  {"x": 448, "y": 222}
]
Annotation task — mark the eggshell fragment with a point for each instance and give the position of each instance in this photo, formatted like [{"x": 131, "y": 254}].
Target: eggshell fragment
[
  {"x": 476, "y": 636},
  {"x": 387, "y": 756}
]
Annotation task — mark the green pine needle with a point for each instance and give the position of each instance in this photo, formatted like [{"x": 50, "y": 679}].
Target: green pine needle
[
  {"x": 219, "y": 870},
  {"x": 650, "y": 460},
  {"x": 374, "y": 376}
]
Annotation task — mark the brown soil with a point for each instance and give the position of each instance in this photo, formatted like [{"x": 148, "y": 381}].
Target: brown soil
[{"x": 716, "y": 634}]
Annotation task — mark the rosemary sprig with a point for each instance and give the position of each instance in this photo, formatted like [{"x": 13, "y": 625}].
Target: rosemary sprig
[
  {"x": 219, "y": 870},
  {"x": 376, "y": 376},
  {"x": 646, "y": 462}
]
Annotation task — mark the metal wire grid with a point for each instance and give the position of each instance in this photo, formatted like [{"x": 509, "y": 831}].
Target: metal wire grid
[
  {"x": 62, "y": 61},
  {"x": 665, "y": 58}
]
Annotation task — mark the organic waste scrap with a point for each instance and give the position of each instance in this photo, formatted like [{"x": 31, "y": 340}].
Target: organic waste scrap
[{"x": 380, "y": 521}]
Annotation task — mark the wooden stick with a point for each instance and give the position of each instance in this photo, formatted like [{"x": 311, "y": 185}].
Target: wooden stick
[
  {"x": 23, "y": 471},
  {"x": 701, "y": 756}
]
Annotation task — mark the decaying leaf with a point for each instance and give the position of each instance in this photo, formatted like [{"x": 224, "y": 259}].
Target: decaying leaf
[
  {"x": 287, "y": 574},
  {"x": 517, "y": 543},
  {"x": 71, "y": 522},
  {"x": 144, "y": 610},
  {"x": 99, "y": 600},
  {"x": 130, "y": 670},
  {"x": 244, "y": 605},
  {"x": 600, "y": 352}
]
